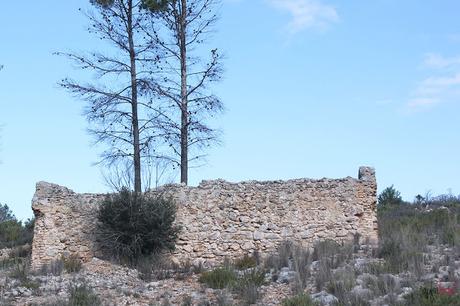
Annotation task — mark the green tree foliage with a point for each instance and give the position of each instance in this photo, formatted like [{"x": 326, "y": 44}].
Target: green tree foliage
[
  {"x": 152, "y": 5},
  {"x": 5, "y": 213},
  {"x": 390, "y": 196},
  {"x": 133, "y": 226},
  {"x": 156, "y": 5},
  {"x": 12, "y": 231},
  {"x": 120, "y": 106},
  {"x": 186, "y": 81}
]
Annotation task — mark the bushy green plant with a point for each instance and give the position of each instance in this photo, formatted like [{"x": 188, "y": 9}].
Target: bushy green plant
[
  {"x": 54, "y": 267},
  {"x": 302, "y": 299},
  {"x": 245, "y": 262},
  {"x": 301, "y": 260},
  {"x": 13, "y": 232},
  {"x": 332, "y": 252},
  {"x": 21, "y": 273},
  {"x": 427, "y": 296},
  {"x": 135, "y": 225},
  {"x": 72, "y": 263},
  {"x": 389, "y": 196},
  {"x": 405, "y": 231},
  {"x": 219, "y": 278},
  {"x": 21, "y": 251},
  {"x": 82, "y": 295},
  {"x": 341, "y": 284},
  {"x": 247, "y": 285},
  {"x": 155, "y": 267}
]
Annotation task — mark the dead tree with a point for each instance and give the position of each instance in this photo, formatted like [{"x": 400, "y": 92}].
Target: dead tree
[
  {"x": 119, "y": 102},
  {"x": 186, "y": 78}
]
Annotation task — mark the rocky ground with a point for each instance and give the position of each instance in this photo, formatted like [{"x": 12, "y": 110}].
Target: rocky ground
[
  {"x": 417, "y": 262},
  {"x": 344, "y": 274}
]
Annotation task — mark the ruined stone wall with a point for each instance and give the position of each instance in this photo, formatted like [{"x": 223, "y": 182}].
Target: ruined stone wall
[{"x": 220, "y": 219}]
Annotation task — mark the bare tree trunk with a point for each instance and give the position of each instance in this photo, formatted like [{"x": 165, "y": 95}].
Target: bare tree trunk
[
  {"x": 184, "y": 93},
  {"x": 135, "y": 121}
]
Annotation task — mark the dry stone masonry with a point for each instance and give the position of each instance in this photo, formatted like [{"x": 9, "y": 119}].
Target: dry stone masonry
[{"x": 219, "y": 219}]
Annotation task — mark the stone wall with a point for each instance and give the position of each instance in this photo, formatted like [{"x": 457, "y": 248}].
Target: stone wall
[{"x": 220, "y": 219}]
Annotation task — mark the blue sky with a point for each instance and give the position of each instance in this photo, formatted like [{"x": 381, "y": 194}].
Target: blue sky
[{"x": 312, "y": 88}]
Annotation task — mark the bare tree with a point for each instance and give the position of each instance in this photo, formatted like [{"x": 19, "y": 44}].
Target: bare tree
[
  {"x": 120, "y": 105},
  {"x": 186, "y": 79},
  {"x": 155, "y": 172}
]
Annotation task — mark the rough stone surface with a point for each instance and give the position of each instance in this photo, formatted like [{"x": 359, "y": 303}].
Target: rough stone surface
[
  {"x": 324, "y": 298},
  {"x": 219, "y": 219}
]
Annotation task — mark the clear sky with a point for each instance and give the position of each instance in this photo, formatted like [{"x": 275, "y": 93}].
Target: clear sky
[{"x": 312, "y": 88}]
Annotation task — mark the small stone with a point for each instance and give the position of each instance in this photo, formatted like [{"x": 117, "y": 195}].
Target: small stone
[
  {"x": 286, "y": 275},
  {"x": 324, "y": 298},
  {"x": 248, "y": 246},
  {"x": 258, "y": 235}
]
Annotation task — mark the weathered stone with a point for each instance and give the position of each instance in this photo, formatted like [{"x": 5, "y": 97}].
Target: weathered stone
[
  {"x": 286, "y": 275},
  {"x": 248, "y": 245},
  {"x": 324, "y": 298},
  {"x": 219, "y": 219},
  {"x": 258, "y": 235}
]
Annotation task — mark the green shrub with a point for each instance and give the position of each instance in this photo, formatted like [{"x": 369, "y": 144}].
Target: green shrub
[
  {"x": 219, "y": 278},
  {"x": 330, "y": 255},
  {"x": 426, "y": 296},
  {"x": 295, "y": 256},
  {"x": 299, "y": 300},
  {"x": 341, "y": 284},
  {"x": 301, "y": 260},
  {"x": 247, "y": 285},
  {"x": 72, "y": 264},
  {"x": 82, "y": 295},
  {"x": 6, "y": 263},
  {"x": 334, "y": 253},
  {"x": 245, "y": 262},
  {"x": 21, "y": 273},
  {"x": 155, "y": 267},
  {"x": 22, "y": 251},
  {"x": 135, "y": 225},
  {"x": 13, "y": 232},
  {"x": 55, "y": 268},
  {"x": 405, "y": 231}
]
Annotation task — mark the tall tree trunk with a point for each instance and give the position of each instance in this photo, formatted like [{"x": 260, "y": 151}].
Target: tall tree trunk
[
  {"x": 184, "y": 92},
  {"x": 135, "y": 121}
]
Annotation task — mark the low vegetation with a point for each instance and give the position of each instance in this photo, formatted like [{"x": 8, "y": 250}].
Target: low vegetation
[
  {"x": 134, "y": 226},
  {"x": 244, "y": 283},
  {"x": 219, "y": 278},
  {"x": 302, "y": 299},
  {"x": 72, "y": 264},
  {"x": 429, "y": 296},
  {"x": 416, "y": 263},
  {"x": 407, "y": 232},
  {"x": 82, "y": 295}
]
